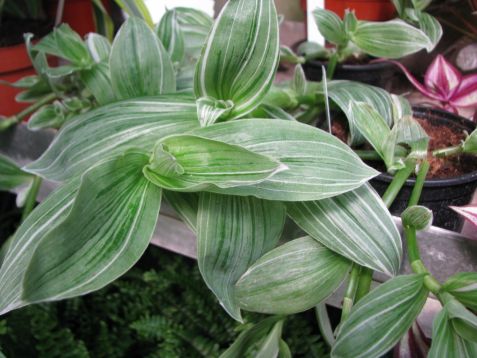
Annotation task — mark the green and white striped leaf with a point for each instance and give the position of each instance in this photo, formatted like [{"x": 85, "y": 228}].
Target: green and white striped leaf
[
  {"x": 232, "y": 233},
  {"x": 107, "y": 230},
  {"x": 186, "y": 205},
  {"x": 356, "y": 225},
  {"x": 390, "y": 39},
  {"x": 49, "y": 116},
  {"x": 271, "y": 345},
  {"x": 97, "y": 80},
  {"x": 463, "y": 286},
  {"x": 21, "y": 247},
  {"x": 343, "y": 92},
  {"x": 446, "y": 342},
  {"x": 292, "y": 278},
  {"x": 381, "y": 318},
  {"x": 195, "y": 26},
  {"x": 11, "y": 176},
  {"x": 109, "y": 130},
  {"x": 139, "y": 63},
  {"x": 99, "y": 47},
  {"x": 319, "y": 165},
  {"x": 463, "y": 321},
  {"x": 171, "y": 36},
  {"x": 430, "y": 26},
  {"x": 136, "y": 8},
  {"x": 191, "y": 163},
  {"x": 241, "y": 56},
  {"x": 299, "y": 81},
  {"x": 330, "y": 26},
  {"x": 409, "y": 132},
  {"x": 271, "y": 111}
]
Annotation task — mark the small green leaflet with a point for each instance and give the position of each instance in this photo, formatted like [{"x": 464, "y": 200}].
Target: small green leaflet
[
  {"x": 107, "y": 230},
  {"x": 171, "y": 36},
  {"x": 292, "y": 278},
  {"x": 139, "y": 63},
  {"x": 239, "y": 68},
  {"x": 192, "y": 163},
  {"x": 356, "y": 225},
  {"x": 109, "y": 130},
  {"x": 463, "y": 286},
  {"x": 380, "y": 319},
  {"x": 330, "y": 26},
  {"x": 232, "y": 233},
  {"x": 11, "y": 176},
  {"x": 320, "y": 165}
]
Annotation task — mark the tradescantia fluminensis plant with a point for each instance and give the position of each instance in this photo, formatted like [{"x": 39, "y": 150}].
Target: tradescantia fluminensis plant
[{"x": 234, "y": 179}]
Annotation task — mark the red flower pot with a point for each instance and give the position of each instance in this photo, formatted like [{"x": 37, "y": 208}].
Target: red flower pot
[
  {"x": 371, "y": 10},
  {"x": 76, "y": 13}
]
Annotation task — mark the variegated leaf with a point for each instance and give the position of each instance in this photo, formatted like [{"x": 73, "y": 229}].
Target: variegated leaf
[
  {"x": 239, "y": 68},
  {"x": 171, "y": 36},
  {"x": 430, "y": 26},
  {"x": 97, "y": 80},
  {"x": 232, "y": 233},
  {"x": 195, "y": 26},
  {"x": 463, "y": 286},
  {"x": 106, "y": 231},
  {"x": 109, "y": 130},
  {"x": 186, "y": 205},
  {"x": 320, "y": 165},
  {"x": 356, "y": 225},
  {"x": 136, "y": 8},
  {"x": 99, "y": 47},
  {"x": 139, "y": 63},
  {"x": 330, "y": 26},
  {"x": 11, "y": 175},
  {"x": 292, "y": 278}
]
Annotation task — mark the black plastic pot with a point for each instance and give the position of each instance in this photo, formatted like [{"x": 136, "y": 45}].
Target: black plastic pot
[
  {"x": 437, "y": 194},
  {"x": 377, "y": 74}
]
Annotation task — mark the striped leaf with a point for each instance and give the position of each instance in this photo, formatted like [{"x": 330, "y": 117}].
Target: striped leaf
[
  {"x": 20, "y": 250},
  {"x": 292, "y": 278},
  {"x": 109, "y": 130},
  {"x": 191, "y": 163},
  {"x": 186, "y": 205},
  {"x": 356, "y": 225},
  {"x": 107, "y": 230},
  {"x": 342, "y": 92},
  {"x": 381, "y": 318},
  {"x": 271, "y": 111},
  {"x": 136, "y": 8},
  {"x": 195, "y": 26},
  {"x": 319, "y": 165},
  {"x": 11, "y": 175},
  {"x": 241, "y": 56},
  {"x": 463, "y": 286},
  {"x": 446, "y": 342},
  {"x": 232, "y": 233},
  {"x": 463, "y": 321},
  {"x": 171, "y": 36},
  {"x": 97, "y": 80},
  {"x": 49, "y": 116},
  {"x": 430, "y": 26},
  {"x": 139, "y": 63},
  {"x": 99, "y": 47},
  {"x": 390, "y": 39},
  {"x": 330, "y": 26}
]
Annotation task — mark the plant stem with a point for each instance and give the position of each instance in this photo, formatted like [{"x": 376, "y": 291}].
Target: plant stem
[
  {"x": 349, "y": 295},
  {"x": 17, "y": 118},
  {"x": 31, "y": 197},
  {"x": 364, "y": 284},
  {"x": 330, "y": 69},
  {"x": 397, "y": 183},
  {"x": 447, "y": 152},
  {"x": 421, "y": 177},
  {"x": 368, "y": 154}
]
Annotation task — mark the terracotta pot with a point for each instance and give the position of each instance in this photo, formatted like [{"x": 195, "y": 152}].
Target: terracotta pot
[
  {"x": 371, "y": 10},
  {"x": 14, "y": 64},
  {"x": 76, "y": 13}
]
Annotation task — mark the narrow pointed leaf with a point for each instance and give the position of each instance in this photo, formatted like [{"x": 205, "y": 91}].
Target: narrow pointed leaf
[
  {"x": 99, "y": 47},
  {"x": 21, "y": 247},
  {"x": 171, "y": 36},
  {"x": 136, "y": 8},
  {"x": 232, "y": 233},
  {"x": 271, "y": 345},
  {"x": 110, "y": 129},
  {"x": 319, "y": 165},
  {"x": 385, "y": 315},
  {"x": 107, "y": 230},
  {"x": 470, "y": 143},
  {"x": 463, "y": 286},
  {"x": 11, "y": 175},
  {"x": 236, "y": 67},
  {"x": 442, "y": 77},
  {"x": 291, "y": 278},
  {"x": 466, "y": 95},
  {"x": 139, "y": 63},
  {"x": 49, "y": 116},
  {"x": 356, "y": 225},
  {"x": 330, "y": 26}
]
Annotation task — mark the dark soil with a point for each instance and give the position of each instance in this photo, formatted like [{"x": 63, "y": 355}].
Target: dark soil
[{"x": 12, "y": 30}]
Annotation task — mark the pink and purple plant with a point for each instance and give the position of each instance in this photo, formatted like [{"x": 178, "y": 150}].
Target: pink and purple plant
[
  {"x": 469, "y": 212},
  {"x": 444, "y": 83}
]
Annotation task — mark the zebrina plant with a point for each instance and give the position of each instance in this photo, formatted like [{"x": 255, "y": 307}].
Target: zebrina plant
[{"x": 233, "y": 180}]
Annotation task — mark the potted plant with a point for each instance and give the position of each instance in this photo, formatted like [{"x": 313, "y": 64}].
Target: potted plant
[
  {"x": 354, "y": 41},
  {"x": 233, "y": 180}
]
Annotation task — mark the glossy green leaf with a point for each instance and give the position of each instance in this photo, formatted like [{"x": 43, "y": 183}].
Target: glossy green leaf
[
  {"x": 97, "y": 80},
  {"x": 446, "y": 342},
  {"x": 356, "y": 225},
  {"x": 139, "y": 63},
  {"x": 236, "y": 67},
  {"x": 110, "y": 129},
  {"x": 291, "y": 278},
  {"x": 99, "y": 47},
  {"x": 232, "y": 233},
  {"x": 390, "y": 39},
  {"x": 136, "y": 8},
  {"x": 191, "y": 163},
  {"x": 330, "y": 26},
  {"x": 463, "y": 286},
  {"x": 21, "y": 247},
  {"x": 171, "y": 36},
  {"x": 11, "y": 175},
  {"x": 320, "y": 165},
  {"x": 107, "y": 230},
  {"x": 381, "y": 318},
  {"x": 417, "y": 217},
  {"x": 186, "y": 205}
]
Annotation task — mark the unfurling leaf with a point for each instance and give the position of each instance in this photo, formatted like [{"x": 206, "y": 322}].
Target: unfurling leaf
[
  {"x": 239, "y": 68},
  {"x": 381, "y": 318},
  {"x": 291, "y": 278},
  {"x": 417, "y": 217},
  {"x": 356, "y": 225},
  {"x": 232, "y": 233},
  {"x": 191, "y": 163},
  {"x": 107, "y": 230},
  {"x": 463, "y": 286}
]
